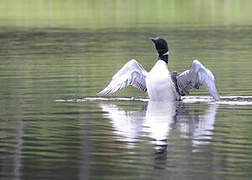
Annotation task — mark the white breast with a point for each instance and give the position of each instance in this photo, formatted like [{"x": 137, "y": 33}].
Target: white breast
[{"x": 159, "y": 83}]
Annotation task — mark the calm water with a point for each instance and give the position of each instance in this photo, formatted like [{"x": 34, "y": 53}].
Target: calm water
[{"x": 54, "y": 58}]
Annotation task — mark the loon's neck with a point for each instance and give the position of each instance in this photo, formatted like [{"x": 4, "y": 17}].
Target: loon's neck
[{"x": 163, "y": 58}]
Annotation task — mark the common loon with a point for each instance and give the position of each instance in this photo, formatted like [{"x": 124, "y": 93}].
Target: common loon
[{"x": 160, "y": 83}]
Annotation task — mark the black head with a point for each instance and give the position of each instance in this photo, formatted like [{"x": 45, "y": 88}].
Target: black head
[{"x": 161, "y": 47}]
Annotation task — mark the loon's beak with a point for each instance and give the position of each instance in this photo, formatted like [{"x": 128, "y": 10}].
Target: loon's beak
[{"x": 153, "y": 39}]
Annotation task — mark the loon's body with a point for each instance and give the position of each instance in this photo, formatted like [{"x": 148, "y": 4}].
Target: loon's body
[
  {"x": 160, "y": 86},
  {"x": 159, "y": 83}
]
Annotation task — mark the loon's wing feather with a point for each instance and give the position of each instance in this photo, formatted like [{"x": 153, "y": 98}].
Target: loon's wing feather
[
  {"x": 195, "y": 76},
  {"x": 132, "y": 73}
]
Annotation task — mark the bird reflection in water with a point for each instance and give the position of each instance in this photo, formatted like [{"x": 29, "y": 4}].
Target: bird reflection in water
[{"x": 158, "y": 120}]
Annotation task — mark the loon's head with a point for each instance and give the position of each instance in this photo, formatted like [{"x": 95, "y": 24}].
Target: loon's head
[{"x": 162, "y": 48}]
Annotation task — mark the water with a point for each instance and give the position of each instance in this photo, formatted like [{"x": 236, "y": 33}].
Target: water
[{"x": 55, "y": 58}]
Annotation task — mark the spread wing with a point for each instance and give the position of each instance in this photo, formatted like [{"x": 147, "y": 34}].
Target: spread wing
[
  {"x": 195, "y": 76},
  {"x": 132, "y": 73}
]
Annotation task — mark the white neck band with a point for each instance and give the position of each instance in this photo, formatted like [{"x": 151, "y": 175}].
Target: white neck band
[{"x": 167, "y": 53}]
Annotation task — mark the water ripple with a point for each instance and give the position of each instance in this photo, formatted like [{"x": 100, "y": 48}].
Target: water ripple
[{"x": 225, "y": 100}]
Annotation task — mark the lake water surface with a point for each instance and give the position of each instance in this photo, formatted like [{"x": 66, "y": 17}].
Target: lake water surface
[{"x": 55, "y": 57}]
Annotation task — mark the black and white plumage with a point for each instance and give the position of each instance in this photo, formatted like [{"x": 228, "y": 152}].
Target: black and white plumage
[
  {"x": 160, "y": 84},
  {"x": 132, "y": 73},
  {"x": 196, "y": 76}
]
